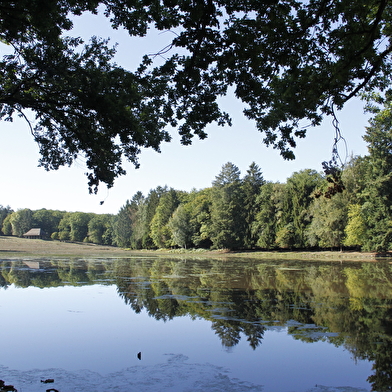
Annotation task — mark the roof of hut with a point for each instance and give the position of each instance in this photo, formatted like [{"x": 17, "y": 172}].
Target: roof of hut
[{"x": 33, "y": 232}]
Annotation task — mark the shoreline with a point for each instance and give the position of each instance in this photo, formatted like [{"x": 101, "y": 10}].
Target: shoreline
[{"x": 22, "y": 247}]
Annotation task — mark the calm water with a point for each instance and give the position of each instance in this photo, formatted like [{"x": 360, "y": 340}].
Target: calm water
[{"x": 200, "y": 325}]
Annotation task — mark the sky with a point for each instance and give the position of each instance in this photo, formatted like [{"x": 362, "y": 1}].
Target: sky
[{"x": 25, "y": 185}]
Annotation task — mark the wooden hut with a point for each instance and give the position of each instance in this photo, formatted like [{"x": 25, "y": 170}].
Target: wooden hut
[{"x": 34, "y": 234}]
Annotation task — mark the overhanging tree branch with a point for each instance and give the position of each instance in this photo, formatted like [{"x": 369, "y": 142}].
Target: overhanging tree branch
[{"x": 285, "y": 59}]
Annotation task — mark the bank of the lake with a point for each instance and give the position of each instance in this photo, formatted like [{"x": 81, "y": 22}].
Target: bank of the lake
[{"x": 34, "y": 247}]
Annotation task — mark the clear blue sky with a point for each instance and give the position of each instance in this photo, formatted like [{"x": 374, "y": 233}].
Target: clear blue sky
[{"x": 24, "y": 185}]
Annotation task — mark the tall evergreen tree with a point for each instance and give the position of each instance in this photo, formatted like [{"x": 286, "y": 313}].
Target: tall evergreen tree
[
  {"x": 123, "y": 226},
  {"x": 251, "y": 185},
  {"x": 377, "y": 195},
  {"x": 227, "y": 212},
  {"x": 228, "y": 175},
  {"x": 354, "y": 178}
]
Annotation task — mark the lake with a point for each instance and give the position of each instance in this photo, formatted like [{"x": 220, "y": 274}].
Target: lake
[{"x": 159, "y": 324}]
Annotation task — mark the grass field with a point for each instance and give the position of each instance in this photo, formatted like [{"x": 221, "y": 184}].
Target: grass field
[
  {"x": 22, "y": 246},
  {"x": 18, "y": 247}
]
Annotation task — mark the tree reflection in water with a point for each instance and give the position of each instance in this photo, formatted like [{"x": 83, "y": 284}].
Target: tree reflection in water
[{"x": 345, "y": 304}]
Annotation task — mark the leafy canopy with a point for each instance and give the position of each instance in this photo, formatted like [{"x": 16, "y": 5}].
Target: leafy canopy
[{"x": 287, "y": 61}]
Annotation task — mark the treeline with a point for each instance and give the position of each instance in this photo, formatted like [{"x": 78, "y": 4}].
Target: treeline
[
  {"x": 310, "y": 210},
  {"x": 60, "y": 225},
  {"x": 349, "y": 206},
  {"x": 345, "y": 207}
]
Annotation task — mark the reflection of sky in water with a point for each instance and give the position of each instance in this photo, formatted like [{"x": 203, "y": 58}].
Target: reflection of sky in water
[{"x": 90, "y": 327}]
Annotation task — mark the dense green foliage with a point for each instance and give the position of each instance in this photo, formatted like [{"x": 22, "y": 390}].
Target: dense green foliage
[
  {"x": 4, "y": 212},
  {"x": 246, "y": 212},
  {"x": 285, "y": 60}
]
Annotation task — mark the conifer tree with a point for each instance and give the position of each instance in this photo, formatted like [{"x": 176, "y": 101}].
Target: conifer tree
[
  {"x": 123, "y": 226},
  {"x": 251, "y": 185},
  {"x": 227, "y": 212},
  {"x": 377, "y": 195}
]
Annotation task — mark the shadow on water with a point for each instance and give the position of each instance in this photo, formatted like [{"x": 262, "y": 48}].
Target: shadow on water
[{"x": 347, "y": 305}]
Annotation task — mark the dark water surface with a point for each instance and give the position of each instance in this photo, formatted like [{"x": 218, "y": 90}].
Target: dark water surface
[{"x": 200, "y": 325}]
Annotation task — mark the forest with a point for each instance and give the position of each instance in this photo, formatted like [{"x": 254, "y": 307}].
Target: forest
[{"x": 347, "y": 207}]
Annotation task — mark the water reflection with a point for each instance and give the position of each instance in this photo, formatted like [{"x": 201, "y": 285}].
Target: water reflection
[{"x": 347, "y": 305}]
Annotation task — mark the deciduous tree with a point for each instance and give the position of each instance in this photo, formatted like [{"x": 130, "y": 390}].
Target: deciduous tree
[
  {"x": 21, "y": 221},
  {"x": 79, "y": 225},
  {"x": 147, "y": 214},
  {"x": 47, "y": 220},
  {"x": 269, "y": 204},
  {"x": 328, "y": 222},
  {"x": 355, "y": 229},
  {"x": 180, "y": 226},
  {"x": 160, "y": 229},
  {"x": 7, "y": 227},
  {"x": 100, "y": 229},
  {"x": 64, "y": 228},
  {"x": 199, "y": 205},
  {"x": 4, "y": 212},
  {"x": 297, "y": 199}
]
